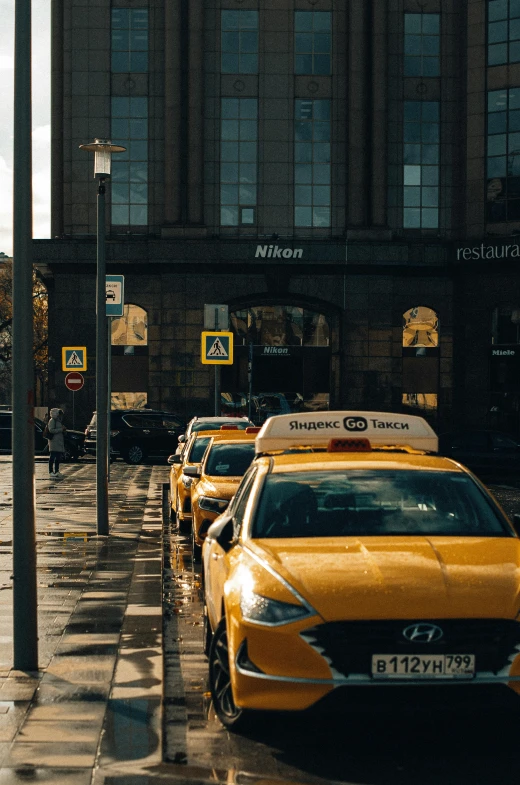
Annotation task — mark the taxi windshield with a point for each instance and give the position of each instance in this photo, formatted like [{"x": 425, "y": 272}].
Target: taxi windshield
[
  {"x": 198, "y": 449},
  {"x": 371, "y": 503},
  {"x": 230, "y": 460}
]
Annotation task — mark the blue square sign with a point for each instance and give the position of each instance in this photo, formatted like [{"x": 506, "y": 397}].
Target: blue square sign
[{"x": 115, "y": 295}]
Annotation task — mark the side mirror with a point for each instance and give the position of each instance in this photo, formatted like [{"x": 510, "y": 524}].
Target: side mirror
[
  {"x": 174, "y": 459},
  {"x": 516, "y": 523},
  {"x": 181, "y": 439},
  {"x": 191, "y": 471},
  {"x": 223, "y": 532}
]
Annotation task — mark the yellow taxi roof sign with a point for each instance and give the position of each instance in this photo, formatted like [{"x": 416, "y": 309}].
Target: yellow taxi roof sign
[{"x": 318, "y": 428}]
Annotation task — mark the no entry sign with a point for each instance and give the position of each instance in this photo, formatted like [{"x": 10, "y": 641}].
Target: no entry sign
[{"x": 74, "y": 381}]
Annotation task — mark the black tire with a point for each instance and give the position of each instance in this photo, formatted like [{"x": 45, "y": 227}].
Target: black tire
[
  {"x": 220, "y": 683},
  {"x": 196, "y": 550},
  {"x": 208, "y": 635},
  {"x": 134, "y": 454},
  {"x": 183, "y": 525}
]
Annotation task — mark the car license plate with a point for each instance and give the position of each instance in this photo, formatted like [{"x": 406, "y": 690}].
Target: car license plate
[{"x": 423, "y": 666}]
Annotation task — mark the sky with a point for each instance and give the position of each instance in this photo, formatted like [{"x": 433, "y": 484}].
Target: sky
[{"x": 41, "y": 113}]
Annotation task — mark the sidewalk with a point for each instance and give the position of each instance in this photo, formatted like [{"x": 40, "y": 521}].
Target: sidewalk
[{"x": 93, "y": 712}]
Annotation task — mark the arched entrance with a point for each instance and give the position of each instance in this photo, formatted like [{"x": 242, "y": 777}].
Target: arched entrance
[{"x": 282, "y": 362}]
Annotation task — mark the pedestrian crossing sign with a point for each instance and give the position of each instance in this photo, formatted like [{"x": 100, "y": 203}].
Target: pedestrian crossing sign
[
  {"x": 217, "y": 348},
  {"x": 73, "y": 358}
]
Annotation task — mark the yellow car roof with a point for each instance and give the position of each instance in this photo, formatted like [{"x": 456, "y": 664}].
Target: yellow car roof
[{"x": 339, "y": 461}]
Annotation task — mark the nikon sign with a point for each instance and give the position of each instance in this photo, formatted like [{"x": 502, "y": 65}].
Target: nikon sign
[
  {"x": 478, "y": 253},
  {"x": 277, "y": 252}
]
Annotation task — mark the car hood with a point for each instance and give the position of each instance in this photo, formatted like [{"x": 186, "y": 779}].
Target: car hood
[
  {"x": 76, "y": 434},
  {"x": 401, "y": 578},
  {"x": 218, "y": 488}
]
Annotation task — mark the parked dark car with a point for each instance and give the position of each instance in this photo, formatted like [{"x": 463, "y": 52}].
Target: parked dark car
[
  {"x": 482, "y": 450},
  {"x": 74, "y": 440},
  {"x": 137, "y": 435}
]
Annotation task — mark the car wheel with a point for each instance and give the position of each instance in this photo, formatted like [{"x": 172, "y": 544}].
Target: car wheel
[
  {"x": 183, "y": 525},
  {"x": 220, "y": 682},
  {"x": 196, "y": 550},
  {"x": 208, "y": 635},
  {"x": 134, "y": 454}
]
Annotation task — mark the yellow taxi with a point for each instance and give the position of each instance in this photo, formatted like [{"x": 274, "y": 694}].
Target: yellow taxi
[
  {"x": 180, "y": 484},
  {"x": 184, "y": 472},
  {"x": 226, "y": 460},
  {"x": 354, "y": 556}
]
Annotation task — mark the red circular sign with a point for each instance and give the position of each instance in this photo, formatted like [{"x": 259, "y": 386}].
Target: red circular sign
[{"x": 74, "y": 381}]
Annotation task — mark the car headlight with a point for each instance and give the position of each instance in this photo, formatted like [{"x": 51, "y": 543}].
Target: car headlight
[
  {"x": 213, "y": 505},
  {"x": 263, "y": 610}
]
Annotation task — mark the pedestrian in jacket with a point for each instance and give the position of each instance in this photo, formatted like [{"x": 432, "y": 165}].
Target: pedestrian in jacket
[{"x": 56, "y": 441}]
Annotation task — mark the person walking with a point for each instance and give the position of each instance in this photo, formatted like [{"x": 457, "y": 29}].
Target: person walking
[{"x": 56, "y": 429}]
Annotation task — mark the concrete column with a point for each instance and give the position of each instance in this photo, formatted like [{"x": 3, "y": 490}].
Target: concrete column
[
  {"x": 196, "y": 113},
  {"x": 358, "y": 114},
  {"x": 172, "y": 113},
  {"x": 57, "y": 142},
  {"x": 379, "y": 56}
]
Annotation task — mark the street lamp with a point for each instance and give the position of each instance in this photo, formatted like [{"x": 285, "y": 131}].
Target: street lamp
[{"x": 102, "y": 149}]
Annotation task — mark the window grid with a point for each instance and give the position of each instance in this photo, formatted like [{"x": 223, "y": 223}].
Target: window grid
[
  {"x": 238, "y": 161},
  {"x": 129, "y": 181},
  {"x": 503, "y": 155},
  {"x": 503, "y": 32},
  {"x": 312, "y": 42},
  {"x": 239, "y": 42},
  {"x": 129, "y": 40},
  {"x": 422, "y": 44},
  {"x": 312, "y": 172},
  {"x": 421, "y": 157}
]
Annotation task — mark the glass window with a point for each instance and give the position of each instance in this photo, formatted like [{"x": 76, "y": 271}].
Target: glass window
[
  {"x": 229, "y": 460},
  {"x": 422, "y": 44},
  {"x": 238, "y": 161},
  {"x": 131, "y": 329},
  {"x": 372, "y": 503},
  {"x": 503, "y": 32},
  {"x": 312, "y": 173},
  {"x": 506, "y": 325},
  {"x": 421, "y": 155},
  {"x": 239, "y": 42},
  {"x": 129, "y": 189},
  {"x": 420, "y": 327},
  {"x": 503, "y": 155},
  {"x": 312, "y": 42},
  {"x": 198, "y": 449},
  {"x": 129, "y": 40}
]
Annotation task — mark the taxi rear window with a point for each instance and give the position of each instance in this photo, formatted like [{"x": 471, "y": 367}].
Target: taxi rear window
[
  {"x": 372, "y": 503},
  {"x": 230, "y": 460}
]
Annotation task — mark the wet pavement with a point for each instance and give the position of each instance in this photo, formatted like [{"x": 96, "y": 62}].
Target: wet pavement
[{"x": 95, "y": 703}]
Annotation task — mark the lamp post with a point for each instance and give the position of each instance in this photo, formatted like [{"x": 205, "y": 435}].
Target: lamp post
[{"x": 102, "y": 149}]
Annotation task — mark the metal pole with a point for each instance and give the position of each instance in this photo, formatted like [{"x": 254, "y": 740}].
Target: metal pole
[
  {"x": 217, "y": 391},
  {"x": 109, "y": 388},
  {"x": 250, "y": 379},
  {"x": 25, "y": 618},
  {"x": 73, "y": 414},
  {"x": 101, "y": 370}
]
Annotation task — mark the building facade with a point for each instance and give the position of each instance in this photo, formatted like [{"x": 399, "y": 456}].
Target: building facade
[{"x": 344, "y": 175}]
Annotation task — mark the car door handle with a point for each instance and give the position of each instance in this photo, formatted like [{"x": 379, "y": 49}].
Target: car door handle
[
  {"x": 215, "y": 556},
  {"x": 146, "y": 431}
]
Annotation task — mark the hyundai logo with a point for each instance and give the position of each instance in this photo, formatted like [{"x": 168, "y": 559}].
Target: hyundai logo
[
  {"x": 423, "y": 633},
  {"x": 355, "y": 424}
]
